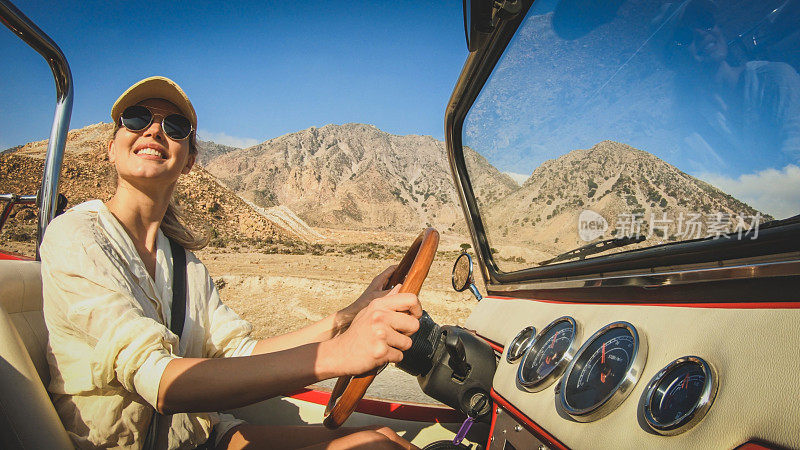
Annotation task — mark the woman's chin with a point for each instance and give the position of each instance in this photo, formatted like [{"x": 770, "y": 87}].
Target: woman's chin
[{"x": 150, "y": 176}]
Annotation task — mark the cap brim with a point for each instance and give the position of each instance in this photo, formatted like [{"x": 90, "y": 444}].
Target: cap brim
[{"x": 155, "y": 87}]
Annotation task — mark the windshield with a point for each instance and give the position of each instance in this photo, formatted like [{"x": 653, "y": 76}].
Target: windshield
[{"x": 650, "y": 121}]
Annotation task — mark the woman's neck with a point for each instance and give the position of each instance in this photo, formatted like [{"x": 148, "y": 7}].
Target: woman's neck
[{"x": 140, "y": 213}]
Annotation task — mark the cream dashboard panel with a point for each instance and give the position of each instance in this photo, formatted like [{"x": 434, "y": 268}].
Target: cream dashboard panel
[{"x": 756, "y": 353}]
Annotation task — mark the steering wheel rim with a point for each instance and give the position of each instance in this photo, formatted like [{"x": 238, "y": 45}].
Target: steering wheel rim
[{"x": 411, "y": 271}]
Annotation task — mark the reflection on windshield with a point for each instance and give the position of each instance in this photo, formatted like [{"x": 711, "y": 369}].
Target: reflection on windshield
[{"x": 670, "y": 120}]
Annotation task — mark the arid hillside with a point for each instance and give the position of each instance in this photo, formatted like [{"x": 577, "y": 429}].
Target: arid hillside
[
  {"x": 540, "y": 218},
  {"x": 87, "y": 174},
  {"x": 354, "y": 176}
]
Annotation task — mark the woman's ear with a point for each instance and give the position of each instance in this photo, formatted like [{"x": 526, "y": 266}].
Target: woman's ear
[
  {"x": 189, "y": 163},
  {"x": 111, "y": 151}
]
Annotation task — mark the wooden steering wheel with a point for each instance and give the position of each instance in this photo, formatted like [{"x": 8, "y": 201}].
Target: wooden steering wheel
[{"x": 411, "y": 271}]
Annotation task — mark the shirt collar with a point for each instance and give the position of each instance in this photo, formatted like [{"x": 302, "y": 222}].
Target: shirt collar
[{"x": 123, "y": 245}]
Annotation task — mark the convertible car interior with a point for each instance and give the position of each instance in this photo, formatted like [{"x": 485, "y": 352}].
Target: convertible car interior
[{"x": 629, "y": 173}]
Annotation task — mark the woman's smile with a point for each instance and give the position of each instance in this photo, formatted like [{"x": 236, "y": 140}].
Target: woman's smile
[{"x": 150, "y": 151}]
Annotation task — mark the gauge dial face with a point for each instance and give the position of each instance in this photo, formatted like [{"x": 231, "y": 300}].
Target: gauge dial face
[
  {"x": 605, "y": 369},
  {"x": 519, "y": 345},
  {"x": 679, "y": 395},
  {"x": 549, "y": 354}
]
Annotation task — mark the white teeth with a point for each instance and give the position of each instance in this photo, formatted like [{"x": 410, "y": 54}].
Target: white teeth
[{"x": 149, "y": 151}]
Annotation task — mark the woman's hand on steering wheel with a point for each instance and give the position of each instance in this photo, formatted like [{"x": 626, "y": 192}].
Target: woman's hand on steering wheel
[
  {"x": 375, "y": 290},
  {"x": 378, "y": 334}
]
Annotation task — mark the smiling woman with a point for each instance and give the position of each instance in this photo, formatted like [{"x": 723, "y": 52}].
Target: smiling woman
[
  {"x": 140, "y": 344},
  {"x": 133, "y": 117}
]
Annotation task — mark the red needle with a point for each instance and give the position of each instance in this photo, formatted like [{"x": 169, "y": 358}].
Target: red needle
[
  {"x": 685, "y": 381},
  {"x": 552, "y": 344},
  {"x": 603, "y": 356}
]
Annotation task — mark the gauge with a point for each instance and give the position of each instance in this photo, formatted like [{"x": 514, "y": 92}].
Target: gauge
[
  {"x": 549, "y": 355},
  {"x": 678, "y": 397},
  {"x": 520, "y": 344},
  {"x": 603, "y": 372}
]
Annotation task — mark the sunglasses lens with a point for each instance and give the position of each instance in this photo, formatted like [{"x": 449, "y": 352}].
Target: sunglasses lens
[
  {"x": 176, "y": 126},
  {"x": 136, "y": 118}
]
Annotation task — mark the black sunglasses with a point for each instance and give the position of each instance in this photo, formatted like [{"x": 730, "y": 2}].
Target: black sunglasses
[
  {"x": 699, "y": 15},
  {"x": 137, "y": 118}
]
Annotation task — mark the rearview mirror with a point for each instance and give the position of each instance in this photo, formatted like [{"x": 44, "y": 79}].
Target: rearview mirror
[{"x": 462, "y": 276}]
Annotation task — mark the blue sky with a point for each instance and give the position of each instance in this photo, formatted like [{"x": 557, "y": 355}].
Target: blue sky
[{"x": 254, "y": 70}]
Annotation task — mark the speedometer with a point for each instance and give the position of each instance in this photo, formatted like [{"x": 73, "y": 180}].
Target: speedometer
[
  {"x": 604, "y": 371},
  {"x": 549, "y": 355}
]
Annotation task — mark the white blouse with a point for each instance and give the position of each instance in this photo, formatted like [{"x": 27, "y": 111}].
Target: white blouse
[{"x": 109, "y": 344}]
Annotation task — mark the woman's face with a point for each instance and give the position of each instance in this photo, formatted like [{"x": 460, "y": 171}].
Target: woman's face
[
  {"x": 708, "y": 45},
  {"x": 149, "y": 155}
]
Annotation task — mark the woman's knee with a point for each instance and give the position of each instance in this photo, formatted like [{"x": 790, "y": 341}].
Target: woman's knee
[
  {"x": 384, "y": 430},
  {"x": 382, "y": 438}
]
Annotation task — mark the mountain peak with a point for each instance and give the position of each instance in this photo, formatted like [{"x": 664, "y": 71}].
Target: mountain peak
[{"x": 352, "y": 175}]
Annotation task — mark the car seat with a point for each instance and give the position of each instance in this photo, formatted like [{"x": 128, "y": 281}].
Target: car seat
[{"x": 27, "y": 416}]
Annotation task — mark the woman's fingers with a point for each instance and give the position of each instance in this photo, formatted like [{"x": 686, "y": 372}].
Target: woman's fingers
[
  {"x": 402, "y": 322},
  {"x": 401, "y": 303},
  {"x": 380, "y": 280},
  {"x": 398, "y": 341},
  {"x": 380, "y": 332}
]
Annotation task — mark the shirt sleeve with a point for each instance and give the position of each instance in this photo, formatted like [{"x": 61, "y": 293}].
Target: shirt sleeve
[
  {"x": 85, "y": 293},
  {"x": 227, "y": 334}
]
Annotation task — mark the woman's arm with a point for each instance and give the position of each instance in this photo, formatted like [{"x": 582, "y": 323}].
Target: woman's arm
[
  {"x": 377, "y": 335},
  {"x": 330, "y": 326}
]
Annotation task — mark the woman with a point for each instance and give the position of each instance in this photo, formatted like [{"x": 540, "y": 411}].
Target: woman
[{"x": 107, "y": 270}]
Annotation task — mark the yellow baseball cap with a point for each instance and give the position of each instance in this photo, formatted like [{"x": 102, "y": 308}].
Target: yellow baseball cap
[{"x": 155, "y": 87}]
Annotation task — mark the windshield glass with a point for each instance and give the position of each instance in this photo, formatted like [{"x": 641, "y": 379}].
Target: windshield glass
[{"x": 651, "y": 121}]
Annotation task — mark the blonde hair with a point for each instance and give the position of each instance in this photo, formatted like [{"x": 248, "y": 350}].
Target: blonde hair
[{"x": 174, "y": 224}]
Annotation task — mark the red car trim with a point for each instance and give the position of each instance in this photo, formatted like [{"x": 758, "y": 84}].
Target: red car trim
[
  {"x": 416, "y": 412},
  {"x": 497, "y": 347},
  {"x": 754, "y": 446},
  {"x": 538, "y": 431},
  {"x": 744, "y": 305},
  {"x": 14, "y": 256}
]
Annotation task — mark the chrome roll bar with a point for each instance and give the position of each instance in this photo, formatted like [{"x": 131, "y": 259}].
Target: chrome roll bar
[{"x": 26, "y": 30}]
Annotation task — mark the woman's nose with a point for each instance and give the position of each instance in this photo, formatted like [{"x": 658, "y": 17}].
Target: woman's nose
[{"x": 154, "y": 130}]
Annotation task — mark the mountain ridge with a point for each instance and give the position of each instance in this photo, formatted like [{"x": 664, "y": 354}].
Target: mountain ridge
[{"x": 357, "y": 177}]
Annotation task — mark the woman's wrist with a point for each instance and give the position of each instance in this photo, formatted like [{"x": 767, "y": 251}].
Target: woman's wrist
[
  {"x": 328, "y": 362},
  {"x": 342, "y": 319}
]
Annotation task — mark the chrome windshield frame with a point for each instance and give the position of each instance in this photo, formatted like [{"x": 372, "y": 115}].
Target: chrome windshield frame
[
  {"x": 37, "y": 39},
  {"x": 635, "y": 266}
]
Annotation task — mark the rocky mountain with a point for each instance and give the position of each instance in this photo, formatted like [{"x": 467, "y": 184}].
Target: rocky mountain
[
  {"x": 614, "y": 180},
  {"x": 86, "y": 174},
  {"x": 355, "y": 176},
  {"x": 209, "y": 150}
]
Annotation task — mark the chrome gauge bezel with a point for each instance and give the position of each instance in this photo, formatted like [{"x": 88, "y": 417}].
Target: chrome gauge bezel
[
  {"x": 516, "y": 348},
  {"x": 698, "y": 411},
  {"x": 561, "y": 365},
  {"x": 623, "y": 388}
]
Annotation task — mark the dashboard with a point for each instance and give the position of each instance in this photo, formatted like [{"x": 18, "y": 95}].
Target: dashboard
[{"x": 625, "y": 376}]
